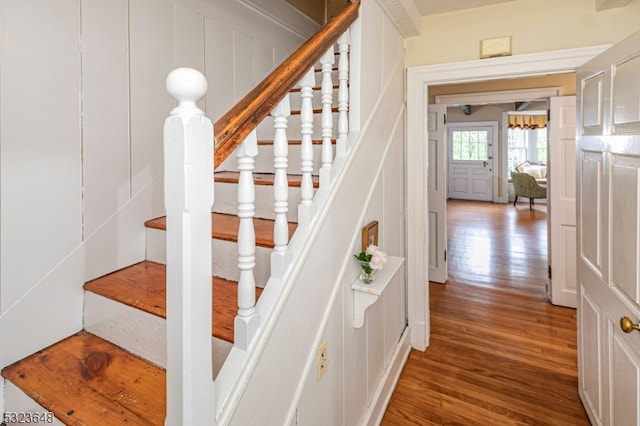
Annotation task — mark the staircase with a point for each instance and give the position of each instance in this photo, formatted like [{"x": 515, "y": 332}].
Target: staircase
[{"x": 114, "y": 370}]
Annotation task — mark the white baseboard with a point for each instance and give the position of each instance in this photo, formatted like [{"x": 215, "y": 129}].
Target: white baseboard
[{"x": 388, "y": 381}]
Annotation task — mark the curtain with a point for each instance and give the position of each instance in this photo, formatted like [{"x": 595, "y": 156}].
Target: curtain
[{"x": 523, "y": 121}]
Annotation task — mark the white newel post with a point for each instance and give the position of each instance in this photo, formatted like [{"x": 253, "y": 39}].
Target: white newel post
[
  {"x": 247, "y": 320},
  {"x": 188, "y": 164},
  {"x": 306, "y": 210},
  {"x": 327, "y": 61},
  {"x": 343, "y": 94},
  {"x": 280, "y": 257}
]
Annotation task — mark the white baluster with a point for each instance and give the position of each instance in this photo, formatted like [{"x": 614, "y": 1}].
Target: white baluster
[
  {"x": 327, "y": 61},
  {"x": 306, "y": 210},
  {"x": 188, "y": 164},
  {"x": 247, "y": 320},
  {"x": 280, "y": 257},
  {"x": 343, "y": 94}
]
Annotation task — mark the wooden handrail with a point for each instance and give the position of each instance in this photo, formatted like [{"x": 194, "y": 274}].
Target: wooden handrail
[{"x": 235, "y": 125}]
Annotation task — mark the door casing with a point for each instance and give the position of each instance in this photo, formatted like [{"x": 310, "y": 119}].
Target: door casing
[{"x": 418, "y": 81}]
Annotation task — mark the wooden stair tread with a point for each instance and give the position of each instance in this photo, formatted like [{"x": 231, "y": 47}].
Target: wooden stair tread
[
  {"x": 225, "y": 227},
  {"x": 142, "y": 286},
  {"x": 294, "y": 181},
  {"x": 85, "y": 380}
]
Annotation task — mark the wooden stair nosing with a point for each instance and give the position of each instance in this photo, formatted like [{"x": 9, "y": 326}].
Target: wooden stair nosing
[
  {"x": 315, "y": 111},
  {"x": 314, "y": 88},
  {"x": 267, "y": 179},
  {"x": 225, "y": 227},
  {"x": 86, "y": 380},
  {"x": 142, "y": 286}
]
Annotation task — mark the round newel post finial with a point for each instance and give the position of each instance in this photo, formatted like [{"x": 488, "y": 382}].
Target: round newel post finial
[{"x": 187, "y": 86}]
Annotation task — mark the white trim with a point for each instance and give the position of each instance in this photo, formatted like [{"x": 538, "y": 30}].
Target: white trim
[
  {"x": 531, "y": 64},
  {"x": 502, "y": 96},
  {"x": 404, "y": 14},
  {"x": 388, "y": 381},
  {"x": 285, "y": 14},
  {"x": 418, "y": 81}
]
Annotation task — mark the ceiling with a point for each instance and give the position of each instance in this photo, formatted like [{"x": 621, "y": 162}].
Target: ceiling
[{"x": 433, "y": 7}]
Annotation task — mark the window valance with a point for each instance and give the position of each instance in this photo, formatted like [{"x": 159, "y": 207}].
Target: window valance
[{"x": 527, "y": 121}]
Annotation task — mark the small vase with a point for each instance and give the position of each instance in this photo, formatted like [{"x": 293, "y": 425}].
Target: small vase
[{"x": 368, "y": 275}]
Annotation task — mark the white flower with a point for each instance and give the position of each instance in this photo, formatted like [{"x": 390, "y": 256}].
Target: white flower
[
  {"x": 371, "y": 249},
  {"x": 378, "y": 259}
]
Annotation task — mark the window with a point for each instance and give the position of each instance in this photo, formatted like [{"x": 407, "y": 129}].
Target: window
[
  {"x": 470, "y": 145},
  {"x": 526, "y": 144}
]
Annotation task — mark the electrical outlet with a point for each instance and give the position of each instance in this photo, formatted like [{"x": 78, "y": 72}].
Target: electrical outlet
[{"x": 323, "y": 359}]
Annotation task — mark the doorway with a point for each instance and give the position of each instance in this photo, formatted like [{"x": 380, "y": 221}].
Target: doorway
[
  {"x": 471, "y": 152},
  {"x": 418, "y": 81}
]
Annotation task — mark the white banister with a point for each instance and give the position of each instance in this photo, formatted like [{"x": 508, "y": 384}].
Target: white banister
[
  {"x": 247, "y": 320},
  {"x": 327, "y": 61},
  {"x": 306, "y": 208},
  {"x": 343, "y": 94},
  {"x": 280, "y": 257},
  {"x": 188, "y": 163}
]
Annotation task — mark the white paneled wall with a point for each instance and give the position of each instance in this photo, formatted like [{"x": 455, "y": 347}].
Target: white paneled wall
[
  {"x": 82, "y": 107},
  {"x": 41, "y": 182},
  {"x": 105, "y": 110},
  {"x": 359, "y": 358},
  {"x": 151, "y": 59}
]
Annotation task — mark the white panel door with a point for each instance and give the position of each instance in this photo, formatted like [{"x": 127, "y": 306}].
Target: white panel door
[
  {"x": 437, "y": 189},
  {"x": 470, "y": 168},
  {"x": 608, "y": 234},
  {"x": 561, "y": 189}
]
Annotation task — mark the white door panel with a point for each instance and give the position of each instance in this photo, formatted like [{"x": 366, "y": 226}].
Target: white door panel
[
  {"x": 624, "y": 383},
  {"x": 608, "y": 234},
  {"x": 561, "y": 192},
  {"x": 437, "y": 193}
]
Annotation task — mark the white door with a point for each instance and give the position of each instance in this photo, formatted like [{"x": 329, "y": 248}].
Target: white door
[
  {"x": 608, "y": 198},
  {"x": 437, "y": 190},
  {"x": 470, "y": 148},
  {"x": 561, "y": 193}
]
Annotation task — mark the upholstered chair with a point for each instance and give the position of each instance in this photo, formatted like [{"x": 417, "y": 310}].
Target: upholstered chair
[{"x": 526, "y": 186}]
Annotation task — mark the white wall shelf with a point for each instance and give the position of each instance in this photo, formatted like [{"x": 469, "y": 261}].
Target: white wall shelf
[{"x": 365, "y": 295}]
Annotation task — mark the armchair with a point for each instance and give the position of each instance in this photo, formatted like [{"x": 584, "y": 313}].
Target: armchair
[{"x": 525, "y": 185}]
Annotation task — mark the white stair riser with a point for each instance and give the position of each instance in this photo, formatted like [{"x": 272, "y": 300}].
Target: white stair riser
[
  {"x": 141, "y": 333},
  {"x": 225, "y": 257},
  {"x": 265, "y": 128},
  {"x": 264, "y": 160},
  {"x": 295, "y": 100},
  {"x": 16, "y": 401},
  {"x": 225, "y": 262},
  {"x": 226, "y": 201}
]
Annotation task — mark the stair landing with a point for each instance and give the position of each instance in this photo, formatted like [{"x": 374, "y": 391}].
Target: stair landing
[{"x": 85, "y": 380}]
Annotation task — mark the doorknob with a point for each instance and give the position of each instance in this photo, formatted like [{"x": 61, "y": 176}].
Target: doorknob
[
  {"x": 627, "y": 325},
  {"x": 484, "y": 164}
]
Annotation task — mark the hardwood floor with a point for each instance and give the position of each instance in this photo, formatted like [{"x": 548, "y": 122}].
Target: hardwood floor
[{"x": 499, "y": 352}]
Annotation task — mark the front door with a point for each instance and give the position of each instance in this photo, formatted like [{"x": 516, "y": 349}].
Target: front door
[
  {"x": 608, "y": 234},
  {"x": 471, "y": 147}
]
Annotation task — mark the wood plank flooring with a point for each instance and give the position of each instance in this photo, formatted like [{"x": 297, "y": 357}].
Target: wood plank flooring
[{"x": 499, "y": 352}]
